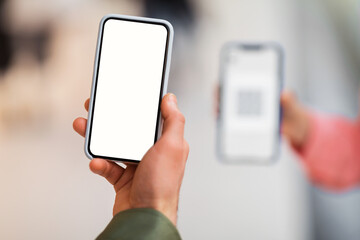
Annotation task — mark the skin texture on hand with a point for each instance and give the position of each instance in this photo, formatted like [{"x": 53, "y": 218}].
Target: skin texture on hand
[{"x": 155, "y": 182}]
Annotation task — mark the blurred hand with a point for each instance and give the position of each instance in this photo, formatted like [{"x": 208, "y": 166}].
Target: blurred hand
[
  {"x": 155, "y": 182},
  {"x": 295, "y": 122}
]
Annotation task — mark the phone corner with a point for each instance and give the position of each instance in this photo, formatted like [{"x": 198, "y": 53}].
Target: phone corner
[
  {"x": 87, "y": 151},
  {"x": 168, "y": 25},
  {"x": 226, "y": 47},
  {"x": 106, "y": 17}
]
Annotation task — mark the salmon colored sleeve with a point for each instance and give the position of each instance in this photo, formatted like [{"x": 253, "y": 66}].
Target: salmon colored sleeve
[{"x": 331, "y": 153}]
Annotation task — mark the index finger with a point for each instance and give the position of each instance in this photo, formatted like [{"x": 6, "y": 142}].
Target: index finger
[{"x": 86, "y": 104}]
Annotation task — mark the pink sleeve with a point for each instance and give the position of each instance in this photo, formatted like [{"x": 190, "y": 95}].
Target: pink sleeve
[{"x": 331, "y": 154}]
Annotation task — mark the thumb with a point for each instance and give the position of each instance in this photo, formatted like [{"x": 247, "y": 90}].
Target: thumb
[
  {"x": 174, "y": 120},
  {"x": 288, "y": 103}
]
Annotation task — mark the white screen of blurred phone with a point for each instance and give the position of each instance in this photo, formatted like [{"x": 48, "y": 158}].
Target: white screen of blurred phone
[
  {"x": 128, "y": 89},
  {"x": 250, "y": 109}
]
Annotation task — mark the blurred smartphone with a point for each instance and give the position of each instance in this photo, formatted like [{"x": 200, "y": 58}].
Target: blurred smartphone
[
  {"x": 251, "y": 76},
  {"x": 130, "y": 78}
]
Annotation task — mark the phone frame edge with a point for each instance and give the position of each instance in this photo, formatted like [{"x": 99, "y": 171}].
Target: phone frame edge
[
  {"x": 245, "y": 160},
  {"x": 168, "y": 52}
]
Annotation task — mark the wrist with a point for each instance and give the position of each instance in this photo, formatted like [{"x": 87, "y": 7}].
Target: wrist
[
  {"x": 170, "y": 213},
  {"x": 168, "y": 208}
]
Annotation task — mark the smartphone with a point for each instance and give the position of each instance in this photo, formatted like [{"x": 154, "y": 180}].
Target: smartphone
[
  {"x": 130, "y": 78},
  {"x": 251, "y": 78}
]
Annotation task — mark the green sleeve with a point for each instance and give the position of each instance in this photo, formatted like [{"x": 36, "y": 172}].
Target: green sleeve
[{"x": 140, "y": 223}]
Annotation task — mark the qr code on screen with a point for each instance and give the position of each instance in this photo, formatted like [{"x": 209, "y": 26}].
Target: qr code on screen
[{"x": 249, "y": 103}]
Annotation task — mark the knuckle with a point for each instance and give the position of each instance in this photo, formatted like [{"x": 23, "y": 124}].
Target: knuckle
[
  {"x": 175, "y": 146},
  {"x": 180, "y": 117},
  {"x": 186, "y": 146}
]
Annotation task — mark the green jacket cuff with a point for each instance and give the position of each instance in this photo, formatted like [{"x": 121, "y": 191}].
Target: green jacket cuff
[{"x": 140, "y": 223}]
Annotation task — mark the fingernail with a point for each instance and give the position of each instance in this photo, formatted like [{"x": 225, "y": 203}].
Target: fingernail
[{"x": 172, "y": 98}]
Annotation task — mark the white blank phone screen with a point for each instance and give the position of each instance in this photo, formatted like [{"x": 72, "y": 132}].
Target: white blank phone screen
[
  {"x": 251, "y": 106},
  {"x": 128, "y": 88}
]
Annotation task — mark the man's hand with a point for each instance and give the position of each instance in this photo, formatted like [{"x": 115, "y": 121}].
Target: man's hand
[{"x": 155, "y": 182}]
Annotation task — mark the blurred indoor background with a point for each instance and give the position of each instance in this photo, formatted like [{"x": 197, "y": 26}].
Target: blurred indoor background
[{"x": 47, "y": 51}]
